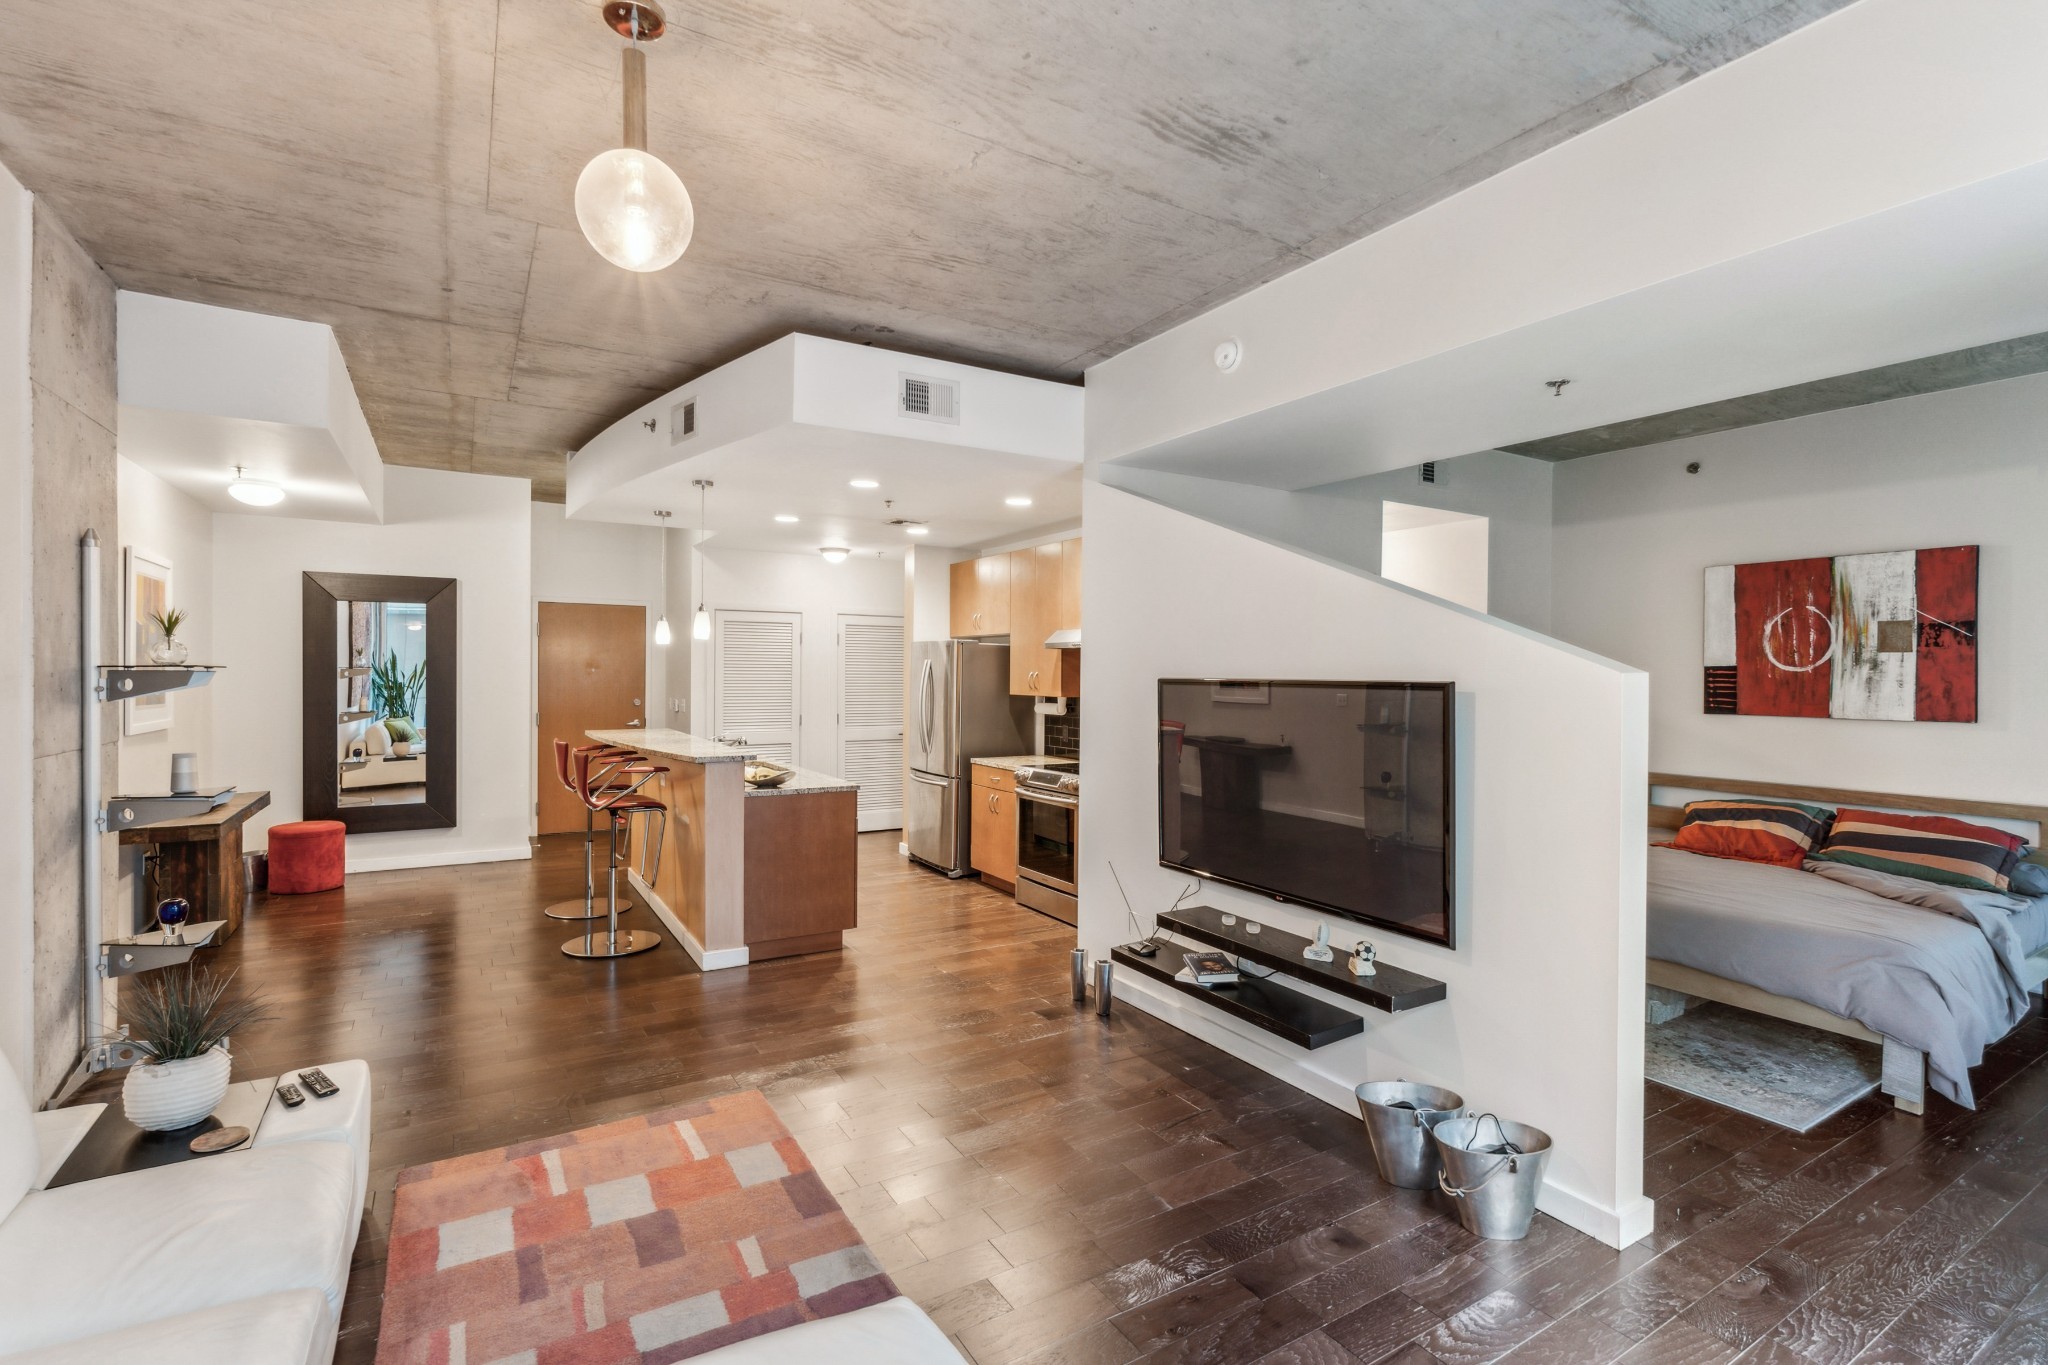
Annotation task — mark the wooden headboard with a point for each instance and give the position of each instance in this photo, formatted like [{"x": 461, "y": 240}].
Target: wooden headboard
[{"x": 1668, "y": 817}]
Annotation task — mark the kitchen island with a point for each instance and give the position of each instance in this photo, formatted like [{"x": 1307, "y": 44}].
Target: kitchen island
[{"x": 748, "y": 873}]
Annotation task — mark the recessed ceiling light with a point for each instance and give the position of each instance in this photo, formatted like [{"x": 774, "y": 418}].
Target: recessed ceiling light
[
  {"x": 1016, "y": 502},
  {"x": 255, "y": 492},
  {"x": 917, "y": 530},
  {"x": 862, "y": 483},
  {"x": 835, "y": 554},
  {"x": 785, "y": 518}
]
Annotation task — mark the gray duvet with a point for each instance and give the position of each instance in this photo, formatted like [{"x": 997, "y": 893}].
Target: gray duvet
[{"x": 1939, "y": 971}]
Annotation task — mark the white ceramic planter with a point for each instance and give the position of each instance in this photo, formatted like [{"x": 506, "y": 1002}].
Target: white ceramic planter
[{"x": 162, "y": 1095}]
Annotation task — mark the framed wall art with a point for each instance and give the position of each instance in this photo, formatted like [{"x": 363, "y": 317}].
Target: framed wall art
[{"x": 1889, "y": 636}]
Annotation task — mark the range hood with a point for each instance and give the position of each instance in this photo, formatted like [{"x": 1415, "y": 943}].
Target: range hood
[{"x": 1063, "y": 639}]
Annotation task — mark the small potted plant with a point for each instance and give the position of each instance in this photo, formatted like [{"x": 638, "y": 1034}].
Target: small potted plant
[
  {"x": 181, "y": 1017},
  {"x": 169, "y": 649}
]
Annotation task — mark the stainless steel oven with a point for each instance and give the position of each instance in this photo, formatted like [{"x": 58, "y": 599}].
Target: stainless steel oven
[{"x": 1049, "y": 842}]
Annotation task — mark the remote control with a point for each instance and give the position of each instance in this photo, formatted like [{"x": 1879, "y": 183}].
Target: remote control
[
  {"x": 1146, "y": 949},
  {"x": 292, "y": 1096},
  {"x": 317, "y": 1082}
]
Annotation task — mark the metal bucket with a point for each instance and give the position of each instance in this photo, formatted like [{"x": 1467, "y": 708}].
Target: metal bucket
[
  {"x": 1398, "y": 1117},
  {"x": 1493, "y": 1169}
]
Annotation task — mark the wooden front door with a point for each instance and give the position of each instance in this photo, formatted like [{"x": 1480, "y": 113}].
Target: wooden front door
[{"x": 593, "y": 676}]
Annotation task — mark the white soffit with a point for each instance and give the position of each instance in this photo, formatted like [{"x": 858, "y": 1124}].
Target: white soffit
[
  {"x": 786, "y": 429},
  {"x": 1806, "y": 211},
  {"x": 204, "y": 389},
  {"x": 1958, "y": 270}
]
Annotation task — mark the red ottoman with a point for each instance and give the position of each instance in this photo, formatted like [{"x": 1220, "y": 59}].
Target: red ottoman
[{"x": 308, "y": 855}]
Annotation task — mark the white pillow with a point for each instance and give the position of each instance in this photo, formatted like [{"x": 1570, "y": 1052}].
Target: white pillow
[{"x": 21, "y": 1159}]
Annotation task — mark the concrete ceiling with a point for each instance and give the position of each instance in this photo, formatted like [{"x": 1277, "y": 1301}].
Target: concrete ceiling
[
  {"x": 1950, "y": 370},
  {"x": 1027, "y": 187}
]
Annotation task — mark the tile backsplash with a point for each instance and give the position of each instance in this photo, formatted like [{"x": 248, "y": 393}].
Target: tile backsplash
[{"x": 1063, "y": 733}]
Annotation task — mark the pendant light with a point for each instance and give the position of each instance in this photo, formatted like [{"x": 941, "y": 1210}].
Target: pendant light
[
  {"x": 700, "y": 628},
  {"x": 630, "y": 205},
  {"x": 662, "y": 634}
]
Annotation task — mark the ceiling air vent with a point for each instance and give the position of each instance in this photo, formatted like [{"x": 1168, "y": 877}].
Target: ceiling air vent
[
  {"x": 1426, "y": 472},
  {"x": 927, "y": 399},
  {"x": 682, "y": 421}
]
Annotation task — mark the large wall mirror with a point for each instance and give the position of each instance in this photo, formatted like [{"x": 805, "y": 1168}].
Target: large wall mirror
[{"x": 379, "y": 720}]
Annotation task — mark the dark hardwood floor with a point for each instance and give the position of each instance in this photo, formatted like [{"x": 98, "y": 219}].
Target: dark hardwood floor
[{"x": 1054, "y": 1188}]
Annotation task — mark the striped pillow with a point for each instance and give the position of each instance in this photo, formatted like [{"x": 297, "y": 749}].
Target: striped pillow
[
  {"x": 1783, "y": 833},
  {"x": 1934, "y": 848}
]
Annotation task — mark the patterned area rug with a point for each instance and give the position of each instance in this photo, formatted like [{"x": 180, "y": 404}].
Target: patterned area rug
[
  {"x": 647, "y": 1240},
  {"x": 1782, "y": 1073}
]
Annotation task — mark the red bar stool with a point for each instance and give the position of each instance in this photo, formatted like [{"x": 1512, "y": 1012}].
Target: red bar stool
[
  {"x": 586, "y": 908},
  {"x": 609, "y": 781}
]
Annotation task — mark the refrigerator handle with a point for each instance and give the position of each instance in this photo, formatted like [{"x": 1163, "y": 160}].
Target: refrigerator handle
[
  {"x": 929, "y": 780},
  {"x": 924, "y": 706}
]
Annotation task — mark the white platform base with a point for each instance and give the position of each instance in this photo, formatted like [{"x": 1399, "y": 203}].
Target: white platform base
[{"x": 707, "y": 959}]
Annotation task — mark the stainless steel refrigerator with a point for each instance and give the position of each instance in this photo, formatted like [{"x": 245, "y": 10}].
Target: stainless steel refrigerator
[{"x": 960, "y": 710}]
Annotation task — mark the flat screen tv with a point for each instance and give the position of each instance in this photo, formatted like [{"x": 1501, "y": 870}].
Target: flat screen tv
[{"x": 1332, "y": 795}]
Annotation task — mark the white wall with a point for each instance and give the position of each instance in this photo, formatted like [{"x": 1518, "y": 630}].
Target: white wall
[
  {"x": 175, "y": 529},
  {"x": 766, "y": 580},
  {"x": 1544, "y": 1017},
  {"x": 1344, "y": 521},
  {"x": 470, "y": 527},
  {"x": 1635, "y": 531},
  {"x": 17, "y": 710},
  {"x": 1445, "y": 559}
]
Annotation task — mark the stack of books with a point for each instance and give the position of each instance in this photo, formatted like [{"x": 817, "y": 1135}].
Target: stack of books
[{"x": 1208, "y": 969}]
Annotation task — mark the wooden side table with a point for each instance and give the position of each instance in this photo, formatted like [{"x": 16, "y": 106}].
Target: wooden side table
[{"x": 201, "y": 858}]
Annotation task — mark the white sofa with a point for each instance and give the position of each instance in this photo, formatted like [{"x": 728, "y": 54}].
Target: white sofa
[
  {"x": 241, "y": 1257},
  {"x": 892, "y": 1332}
]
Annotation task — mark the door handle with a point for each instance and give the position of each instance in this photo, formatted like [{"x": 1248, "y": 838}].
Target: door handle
[
  {"x": 991, "y": 802},
  {"x": 632, "y": 725}
]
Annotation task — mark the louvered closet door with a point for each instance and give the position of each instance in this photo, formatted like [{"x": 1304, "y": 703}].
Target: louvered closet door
[
  {"x": 757, "y": 659},
  {"x": 871, "y": 716}
]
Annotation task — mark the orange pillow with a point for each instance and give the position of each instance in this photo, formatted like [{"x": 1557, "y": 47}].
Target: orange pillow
[{"x": 1781, "y": 833}]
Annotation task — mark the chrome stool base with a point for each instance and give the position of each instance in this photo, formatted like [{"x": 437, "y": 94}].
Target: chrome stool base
[
  {"x": 580, "y": 909},
  {"x": 620, "y": 943}
]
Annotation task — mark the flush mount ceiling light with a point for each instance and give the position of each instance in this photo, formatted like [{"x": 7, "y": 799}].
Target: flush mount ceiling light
[
  {"x": 917, "y": 530},
  {"x": 862, "y": 483},
  {"x": 630, "y": 205},
  {"x": 412, "y": 625},
  {"x": 785, "y": 518},
  {"x": 1016, "y": 502},
  {"x": 255, "y": 492},
  {"x": 700, "y": 625},
  {"x": 835, "y": 554},
  {"x": 662, "y": 634}
]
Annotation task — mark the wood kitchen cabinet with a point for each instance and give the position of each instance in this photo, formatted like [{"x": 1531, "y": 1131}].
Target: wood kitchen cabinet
[
  {"x": 1037, "y": 591},
  {"x": 992, "y": 825},
  {"x": 1069, "y": 612},
  {"x": 980, "y": 591}
]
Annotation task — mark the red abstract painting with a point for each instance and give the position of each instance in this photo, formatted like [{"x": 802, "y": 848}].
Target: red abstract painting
[
  {"x": 1889, "y": 636},
  {"x": 1783, "y": 636}
]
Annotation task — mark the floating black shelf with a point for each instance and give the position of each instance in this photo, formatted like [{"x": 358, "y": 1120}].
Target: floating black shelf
[
  {"x": 1300, "y": 1019},
  {"x": 1389, "y": 988}
]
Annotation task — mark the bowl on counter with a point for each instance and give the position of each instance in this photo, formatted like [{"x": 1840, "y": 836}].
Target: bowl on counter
[{"x": 768, "y": 774}]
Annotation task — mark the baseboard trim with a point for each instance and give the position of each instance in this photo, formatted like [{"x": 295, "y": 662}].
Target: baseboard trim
[
  {"x": 1616, "y": 1228},
  {"x": 400, "y": 861},
  {"x": 707, "y": 959}
]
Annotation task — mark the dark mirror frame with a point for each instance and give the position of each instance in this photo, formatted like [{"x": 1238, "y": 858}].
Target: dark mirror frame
[{"x": 320, "y": 594}]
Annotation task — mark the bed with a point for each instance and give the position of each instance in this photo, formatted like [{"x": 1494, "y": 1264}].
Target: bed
[{"x": 1934, "y": 982}]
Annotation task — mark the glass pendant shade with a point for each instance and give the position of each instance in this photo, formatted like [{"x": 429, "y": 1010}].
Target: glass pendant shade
[
  {"x": 634, "y": 209},
  {"x": 662, "y": 634},
  {"x": 700, "y": 629}
]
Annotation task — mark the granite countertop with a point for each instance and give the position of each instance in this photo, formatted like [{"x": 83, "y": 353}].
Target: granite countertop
[
  {"x": 1011, "y": 762},
  {"x": 805, "y": 781},
  {"x": 676, "y": 744}
]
